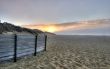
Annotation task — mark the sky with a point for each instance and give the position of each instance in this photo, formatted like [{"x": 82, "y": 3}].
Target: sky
[
  {"x": 91, "y": 27},
  {"x": 22, "y": 12},
  {"x": 88, "y": 29},
  {"x": 57, "y": 15}
]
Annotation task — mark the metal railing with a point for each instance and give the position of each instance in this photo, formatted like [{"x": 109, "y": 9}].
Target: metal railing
[{"x": 14, "y": 46}]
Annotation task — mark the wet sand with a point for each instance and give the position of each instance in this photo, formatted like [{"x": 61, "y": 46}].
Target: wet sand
[{"x": 68, "y": 52}]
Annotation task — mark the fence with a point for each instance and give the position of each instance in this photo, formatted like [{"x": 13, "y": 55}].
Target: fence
[{"x": 14, "y": 46}]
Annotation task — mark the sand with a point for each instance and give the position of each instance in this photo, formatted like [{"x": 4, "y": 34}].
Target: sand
[{"x": 68, "y": 52}]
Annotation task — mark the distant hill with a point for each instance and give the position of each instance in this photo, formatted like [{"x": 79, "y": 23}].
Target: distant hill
[{"x": 7, "y": 27}]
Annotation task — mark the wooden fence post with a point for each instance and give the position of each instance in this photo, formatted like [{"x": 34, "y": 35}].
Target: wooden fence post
[
  {"x": 15, "y": 48},
  {"x": 45, "y": 42},
  {"x": 35, "y": 50}
]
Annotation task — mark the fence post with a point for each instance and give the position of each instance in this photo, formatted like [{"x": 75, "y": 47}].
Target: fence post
[
  {"x": 45, "y": 42},
  {"x": 15, "y": 48},
  {"x": 35, "y": 50}
]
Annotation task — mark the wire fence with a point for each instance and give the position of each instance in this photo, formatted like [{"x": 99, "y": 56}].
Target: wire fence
[{"x": 15, "y": 46}]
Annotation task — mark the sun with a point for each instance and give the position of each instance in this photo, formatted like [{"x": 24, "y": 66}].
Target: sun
[{"x": 51, "y": 29}]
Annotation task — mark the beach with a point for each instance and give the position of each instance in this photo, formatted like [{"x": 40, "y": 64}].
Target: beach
[{"x": 68, "y": 52}]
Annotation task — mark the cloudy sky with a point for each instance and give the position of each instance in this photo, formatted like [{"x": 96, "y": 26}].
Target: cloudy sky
[
  {"x": 58, "y": 15},
  {"x": 91, "y": 27},
  {"x": 52, "y": 11}
]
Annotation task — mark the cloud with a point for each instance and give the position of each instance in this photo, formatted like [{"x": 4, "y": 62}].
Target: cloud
[
  {"x": 37, "y": 11},
  {"x": 71, "y": 26}
]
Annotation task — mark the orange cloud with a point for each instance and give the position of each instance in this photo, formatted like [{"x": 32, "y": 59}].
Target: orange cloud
[{"x": 67, "y": 26}]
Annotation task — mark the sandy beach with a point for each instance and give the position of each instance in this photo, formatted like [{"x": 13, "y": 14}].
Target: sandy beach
[{"x": 68, "y": 52}]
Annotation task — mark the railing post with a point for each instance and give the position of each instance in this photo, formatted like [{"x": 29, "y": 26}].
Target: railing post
[
  {"x": 15, "y": 48},
  {"x": 35, "y": 50},
  {"x": 45, "y": 42}
]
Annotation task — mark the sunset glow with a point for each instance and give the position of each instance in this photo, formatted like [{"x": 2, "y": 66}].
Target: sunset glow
[
  {"x": 45, "y": 28},
  {"x": 62, "y": 27},
  {"x": 51, "y": 29}
]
